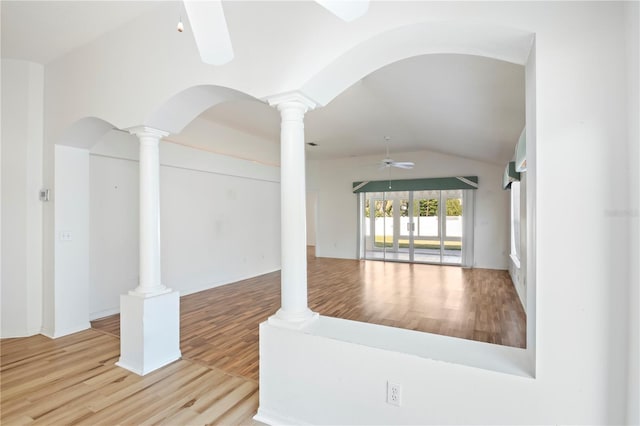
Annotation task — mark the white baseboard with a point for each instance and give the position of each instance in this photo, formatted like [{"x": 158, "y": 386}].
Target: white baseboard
[
  {"x": 10, "y": 334},
  {"x": 54, "y": 334},
  {"x": 127, "y": 366},
  {"x": 514, "y": 269},
  {"x": 273, "y": 419},
  {"x": 224, "y": 282},
  {"x": 104, "y": 313},
  {"x": 112, "y": 311}
]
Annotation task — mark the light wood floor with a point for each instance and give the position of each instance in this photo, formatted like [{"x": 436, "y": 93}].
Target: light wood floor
[{"x": 73, "y": 379}]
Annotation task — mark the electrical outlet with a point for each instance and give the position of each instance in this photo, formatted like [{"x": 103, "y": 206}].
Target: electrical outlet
[{"x": 394, "y": 394}]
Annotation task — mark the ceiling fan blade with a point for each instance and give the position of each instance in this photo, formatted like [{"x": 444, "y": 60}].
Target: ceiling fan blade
[
  {"x": 403, "y": 164},
  {"x": 347, "y": 10},
  {"x": 210, "y": 30}
]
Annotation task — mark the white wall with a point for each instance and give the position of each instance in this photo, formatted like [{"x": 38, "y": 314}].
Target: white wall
[
  {"x": 208, "y": 135},
  {"x": 273, "y": 54},
  {"x": 579, "y": 296},
  {"x": 303, "y": 373},
  {"x": 336, "y": 203},
  {"x": 632, "y": 28},
  {"x": 220, "y": 215},
  {"x": 71, "y": 256},
  {"x": 582, "y": 107},
  {"x": 22, "y": 144},
  {"x": 114, "y": 263}
]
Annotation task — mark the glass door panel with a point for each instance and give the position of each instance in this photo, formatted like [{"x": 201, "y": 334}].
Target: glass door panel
[
  {"x": 378, "y": 225},
  {"x": 368, "y": 227},
  {"x": 402, "y": 224},
  {"x": 426, "y": 246},
  {"x": 413, "y": 226},
  {"x": 384, "y": 226},
  {"x": 452, "y": 232}
]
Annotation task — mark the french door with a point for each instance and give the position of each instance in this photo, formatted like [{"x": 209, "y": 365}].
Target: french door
[{"x": 412, "y": 226}]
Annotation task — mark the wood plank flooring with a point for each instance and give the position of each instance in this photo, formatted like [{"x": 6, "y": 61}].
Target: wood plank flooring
[
  {"x": 73, "y": 380},
  {"x": 219, "y": 327}
]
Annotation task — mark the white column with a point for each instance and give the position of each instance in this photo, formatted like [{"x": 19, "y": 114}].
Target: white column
[
  {"x": 294, "y": 310},
  {"x": 150, "y": 314},
  {"x": 150, "y": 276}
]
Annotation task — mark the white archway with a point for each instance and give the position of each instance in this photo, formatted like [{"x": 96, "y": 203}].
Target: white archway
[
  {"x": 67, "y": 230},
  {"x": 178, "y": 111},
  {"x": 496, "y": 42},
  {"x": 448, "y": 37},
  {"x": 67, "y": 281},
  {"x": 85, "y": 132},
  {"x": 503, "y": 43}
]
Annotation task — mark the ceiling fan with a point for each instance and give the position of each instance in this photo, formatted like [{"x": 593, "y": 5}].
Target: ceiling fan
[
  {"x": 212, "y": 37},
  {"x": 388, "y": 162}
]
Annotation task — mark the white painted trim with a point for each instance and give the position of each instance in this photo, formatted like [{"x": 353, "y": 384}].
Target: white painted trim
[
  {"x": 467, "y": 181},
  {"x": 520, "y": 291},
  {"x": 47, "y": 332},
  {"x": 360, "y": 185},
  {"x": 517, "y": 284},
  {"x": 112, "y": 311},
  {"x": 224, "y": 282},
  {"x": 293, "y": 324},
  {"x": 295, "y": 96},
  {"x": 515, "y": 260},
  {"x": 486, "y": 356},
  {"x": 145, "y": 131},
  {"x": 175, "y": 357},
  {"x": 198, "y": 169},
  {"x": 103, "y": 314},
  {"x": 65, "y": 332},
  {"x": 13, "y": 333},
  {"x": 271, "y": 418}
]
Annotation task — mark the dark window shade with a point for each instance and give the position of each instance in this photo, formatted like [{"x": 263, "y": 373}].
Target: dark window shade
[{"x": 426, "y": 184}]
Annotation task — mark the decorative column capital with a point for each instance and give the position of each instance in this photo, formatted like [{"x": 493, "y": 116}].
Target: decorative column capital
[
  {"x": 292, "y": 100},
  {"x": 147, "y": 132}
]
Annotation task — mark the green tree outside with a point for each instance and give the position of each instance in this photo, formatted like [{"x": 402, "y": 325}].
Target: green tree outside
[{"x": 425, "y": 207}]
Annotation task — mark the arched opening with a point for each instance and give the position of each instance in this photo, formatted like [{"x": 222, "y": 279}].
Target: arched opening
[
  {"x": 219, "y": 208},
  {"x": 495, "y": 44},
  {"x": 183, "y": 107},
  {"x": 381, "y": 345},
  {"x": 451, "y": 115},
  {"x": 67, "y": 233},
  {"x": 449, "y": 37},
  {"x": 96, "y": 242},
  {"x": 204, "y": 229}
]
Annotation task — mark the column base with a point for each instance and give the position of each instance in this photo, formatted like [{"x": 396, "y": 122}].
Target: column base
[
  {"x": 157, "y": 292},
  {"x": 149, "y": 331},
  {"x": 295, "y": 320}
]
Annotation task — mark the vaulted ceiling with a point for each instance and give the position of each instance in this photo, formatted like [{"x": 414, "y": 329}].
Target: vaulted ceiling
[
  {"x": 42, "y": 31},
  {"x": 455, "y": 104},
  {"x": 462, "y": 105}
]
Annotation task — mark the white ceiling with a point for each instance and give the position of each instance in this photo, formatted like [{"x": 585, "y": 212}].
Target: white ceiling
[
  {"x": 462, "y": 105},
  {"x": 41, "y": 31}
]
